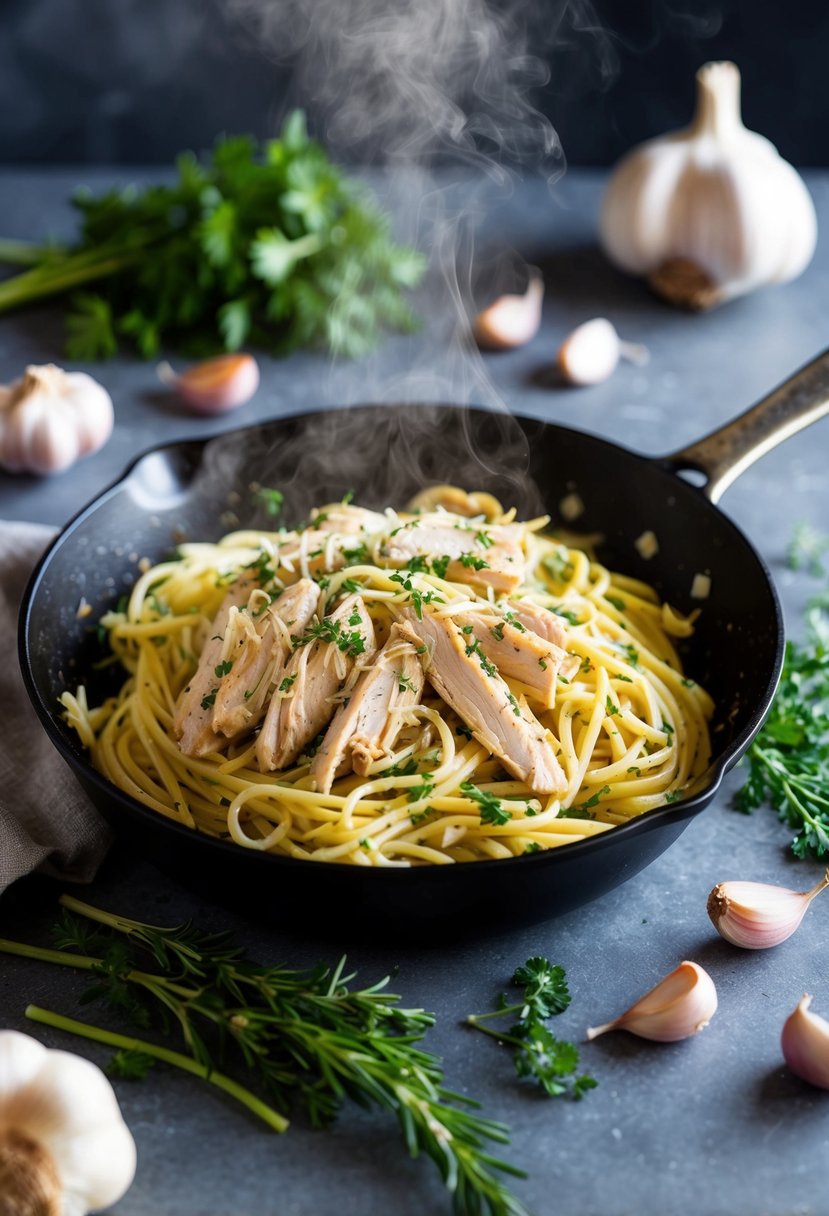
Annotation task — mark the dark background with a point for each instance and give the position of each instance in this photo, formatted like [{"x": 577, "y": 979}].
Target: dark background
[{"x": 135, "y": 81}]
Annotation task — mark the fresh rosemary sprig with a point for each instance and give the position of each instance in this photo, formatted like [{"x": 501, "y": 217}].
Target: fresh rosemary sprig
[
  {"x": 309, "y": 1037},
  {"x": 536, "y": 1052}
]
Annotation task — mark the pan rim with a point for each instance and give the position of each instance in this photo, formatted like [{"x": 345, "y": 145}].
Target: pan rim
[{"x": 680, "y": 812}]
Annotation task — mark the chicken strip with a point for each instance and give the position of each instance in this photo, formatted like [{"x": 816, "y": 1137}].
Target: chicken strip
[
  {"x": 471, "y": 686},
  {"x": 260, "y": 653},
  {"x": 313, "y": 676},
  {"x": 365, "y": 727},
  {"x": 489, "y": 555},
  {"x": 192, "y": 721},
  {"x": 518, "y": 653},
  {"x": 547, "y": 625}
]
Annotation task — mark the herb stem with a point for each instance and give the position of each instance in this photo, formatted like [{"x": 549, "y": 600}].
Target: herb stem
[
  {"x": 39, "y": 954},
  {"x": 59, "y": 1022},
  {"x": 21, "y": 253}
]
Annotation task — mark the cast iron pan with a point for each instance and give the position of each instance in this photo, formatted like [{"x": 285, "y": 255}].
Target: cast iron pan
[{"x": 386, "y": 453}]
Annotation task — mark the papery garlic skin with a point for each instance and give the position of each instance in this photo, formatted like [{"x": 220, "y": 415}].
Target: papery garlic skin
[
  {"x": 679, "y": 1006},
  {"x": 65, "y": 1106},
  {"x": 710, "y": 212},
  {"x": 805, "y": 1044},
  {"x": 49, "y": 418},
  {"x": 758, "y": 915},
  {"x": 511, "y": 320}
]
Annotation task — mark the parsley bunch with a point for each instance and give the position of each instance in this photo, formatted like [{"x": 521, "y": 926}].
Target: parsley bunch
[
  {"x": 536, "y": 1052},
  {"x": 308, "y": 1038},
  {"x": 788, "y": 762},
  {"x": 271, "y": 246}
]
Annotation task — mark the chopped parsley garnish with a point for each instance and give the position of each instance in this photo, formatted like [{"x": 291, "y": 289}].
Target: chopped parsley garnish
[
  {"x": 617, "y": 602},
  {"x": 223, "y": 668},
  {"x": 419, "y": 598},
  {"x": 356, "y": 617},
  {"x": 357, "y": 556},
  {"x": 594, "y": 799},
  {"x": 484, "y": 540},
  {"x": 471, "y": 562},
  {"x": 463, "y": 730},
  {"x": 611, "y": 708},
  {"x": 532, "y": 847},
  {"x": 674, "y": 796},
  {"x": 637, "y": 772},
  {"x": 516, "y": 708},
  {"x": 287, "y": 683},
  {"x": 424, "y": 790},
  {"x": 406, "y": 768},
  {"x": 347, "y": 498},
  {"x": 474, "y": 648},
  {"x": 631, "y": 654},
  {"x": 404, "y": 683},
  {"x": 210, "y": 700},
  {"x": 272, "y": 500},
  {"x": 558, "y": 566},
  {"x": 566, "y": 614},
  {"x": 542, "y": 663},
  {"x": 440, "y": 565},
  {"x": 329, "y": 631},
  {"x": 351, "y": 585},
  {"x": 619, "y": 676},
  {"x": 513, "y": 620},
  {"x": 497, "y": 631},
  {"x": 492, "y": 808}
]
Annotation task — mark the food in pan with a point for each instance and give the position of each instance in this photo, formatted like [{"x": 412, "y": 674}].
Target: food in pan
[{"x": 430, "y": 686}]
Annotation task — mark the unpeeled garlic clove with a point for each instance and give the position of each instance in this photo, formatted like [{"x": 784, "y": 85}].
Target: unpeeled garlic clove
[
  {"x": 216, "y": 385},
  {"x": 591, "y": 352},
  {"x": 512, "y": 320},
  {"x": 805, "y": 1043},
  {"x": 679, "y": 1006},
  {"x": 757, "y": 915}
]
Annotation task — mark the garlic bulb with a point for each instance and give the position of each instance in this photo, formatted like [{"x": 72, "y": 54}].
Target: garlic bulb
[
  {"x": 64, "y": 1148},
  {"x": 679, "y": 1006},
  {"x": 710, "y": 212},
  {"x": 805, "y": 1043},
  {"x": 49, "y": 418},
  {"x": 591, "y": 352},
  {"x": 511, "y": 320},
  {"x": 757, "y": 915},
  {"x": 216, "y": 385}
]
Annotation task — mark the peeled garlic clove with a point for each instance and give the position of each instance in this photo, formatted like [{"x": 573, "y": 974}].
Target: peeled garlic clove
[
  {"x": 511, "y": 320},
  {"x": 805, "y": 1043},
  {"x": 679, "y": 1006},
  {"x": 710, "y": 212},
  {"x": 216, "y": 385},
  {"x": 591, "y": 352},
  {"x": 757, "y": 915}
]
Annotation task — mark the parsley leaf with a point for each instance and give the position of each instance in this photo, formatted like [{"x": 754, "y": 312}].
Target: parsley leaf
[{"x": 492, "y": 809}]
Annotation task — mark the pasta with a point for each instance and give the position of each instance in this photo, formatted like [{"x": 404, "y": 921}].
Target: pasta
[{"x": 618, "y": 726}]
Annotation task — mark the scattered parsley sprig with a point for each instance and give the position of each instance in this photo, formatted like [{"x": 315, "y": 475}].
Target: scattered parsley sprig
[
  {"x": 788, "y": 762},
  {"x": 536, "y": 1052},
  {"x": 266, "y": 245},
  {"x": 308, "y": 1037}
]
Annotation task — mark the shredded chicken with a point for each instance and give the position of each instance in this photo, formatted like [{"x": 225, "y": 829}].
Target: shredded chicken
[
  {"x": 470, "y": 685},
  {"x": 259, "y": 655},
  {"x": 192, "y": 721},
  {"x": 304, "y": 700},
  {"x": 366, "y": 725}
]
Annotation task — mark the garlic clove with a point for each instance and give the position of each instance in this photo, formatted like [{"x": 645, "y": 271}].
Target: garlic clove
[
  {"x": 216, "y": 385},
  {"x": 678, "y": 1007},
  {"x": 592, "y": 351},
  {"x": 805, "y": 1043},
  {"x": 758, "y": 915},
  {"x": 711, "y": 212},
  {"x": 512, "y": 320}
]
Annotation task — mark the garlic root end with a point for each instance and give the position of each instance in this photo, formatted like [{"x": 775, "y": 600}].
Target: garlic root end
[
  {"x": 29, "y": 1181},
  {"x": 682, "y": 283}
]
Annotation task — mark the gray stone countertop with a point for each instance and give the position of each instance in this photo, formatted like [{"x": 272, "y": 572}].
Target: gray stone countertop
[{"x": 709, "y": 1127}]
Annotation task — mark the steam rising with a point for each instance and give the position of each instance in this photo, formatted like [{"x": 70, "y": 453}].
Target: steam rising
[{"x": 421, "y": 88}]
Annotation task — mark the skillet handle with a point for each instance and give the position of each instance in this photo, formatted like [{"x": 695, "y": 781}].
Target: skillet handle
[{"x": 726, "y": 453}]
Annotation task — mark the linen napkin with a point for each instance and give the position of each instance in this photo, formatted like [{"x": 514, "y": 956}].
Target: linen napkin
[{"x": 47, "y": 823}]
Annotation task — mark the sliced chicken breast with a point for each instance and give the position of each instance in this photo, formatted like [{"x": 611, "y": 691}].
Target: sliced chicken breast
[
  {"x": 518, "y": 653},
  {"x": 547, "y": 625},
  {"x": 259, "y": 656},
  {"x": 193, "y": 719},
  {"x": 365, "y": 727},
  {"x": 313, "y": 676},
  {"x": 484, "y": 555},
  {"x": 469, "y": 683}
]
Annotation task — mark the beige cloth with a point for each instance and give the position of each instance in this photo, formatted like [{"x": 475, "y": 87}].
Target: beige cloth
[{"x": 47, "y": 823}]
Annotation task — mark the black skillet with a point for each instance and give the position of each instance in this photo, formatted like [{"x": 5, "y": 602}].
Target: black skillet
[{"x": 200, "y": 489}]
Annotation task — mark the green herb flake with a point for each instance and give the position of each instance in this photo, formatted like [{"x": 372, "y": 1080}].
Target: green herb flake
[
  {"x": 492, "y": 809},
  {"x": 224, "y": 668}
]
